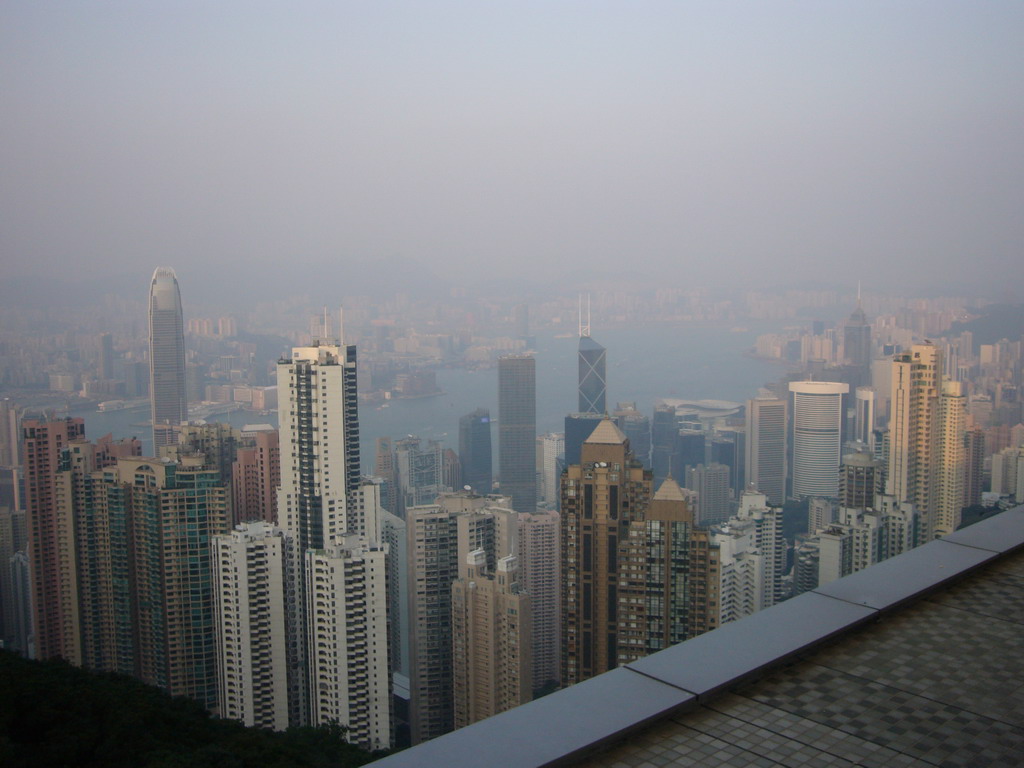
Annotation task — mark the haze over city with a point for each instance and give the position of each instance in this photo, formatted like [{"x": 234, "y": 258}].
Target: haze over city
[{"x": 307, "y": 147}]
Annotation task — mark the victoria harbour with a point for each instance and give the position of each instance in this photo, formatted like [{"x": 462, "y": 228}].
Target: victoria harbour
[{"x": 663, "y": 360}]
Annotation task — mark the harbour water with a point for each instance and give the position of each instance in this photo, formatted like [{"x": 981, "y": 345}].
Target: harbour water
[{"x": 643, "y": 364}]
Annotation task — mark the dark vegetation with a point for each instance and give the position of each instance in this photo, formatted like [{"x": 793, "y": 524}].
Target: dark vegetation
[{"x": 54, "y": 714}]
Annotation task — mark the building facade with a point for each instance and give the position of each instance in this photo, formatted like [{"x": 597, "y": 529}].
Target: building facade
[
  {"x": 167, "y": 393},
  {"x": 592, "y": 358},
  {"x": 475, "y": 450},
  {"x": 765, "y": 457},
  {"x": 601, "y": 496},
  {"x": 636, "y": 571},
  {"x": 540, "y": 578},
  {"x": 517, "y": 430},
  {"x": 328, "y": 514},
  {"x": 441, "y": 536},
  {"x": 817, "y": 436},
  {"x": 255, "y": 475},
  {"x": 52, "y": 556},
  {"x": 927, "y": 453},
  {"x": 347, "y": 605},
  {"x": 492, "y": 639},
  {"x": 752, "y": 558},
  {"x": 252, "y": 667}
]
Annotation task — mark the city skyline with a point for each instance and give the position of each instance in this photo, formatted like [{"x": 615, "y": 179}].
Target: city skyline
[
  {"x": 328, "y": 625},
  {"x": 794, "y": 224}
]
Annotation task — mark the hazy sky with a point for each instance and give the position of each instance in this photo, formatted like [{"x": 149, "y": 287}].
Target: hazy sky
[{"x": 699, "y": 142}]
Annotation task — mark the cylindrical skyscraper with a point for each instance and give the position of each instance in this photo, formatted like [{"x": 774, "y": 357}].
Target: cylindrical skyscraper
[
  {"x": 817, "y": 440},
  {"x": 169, "y": 405}
]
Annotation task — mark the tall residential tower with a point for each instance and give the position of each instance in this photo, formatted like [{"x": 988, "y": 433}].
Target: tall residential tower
[{"x": 332, "y": 524}]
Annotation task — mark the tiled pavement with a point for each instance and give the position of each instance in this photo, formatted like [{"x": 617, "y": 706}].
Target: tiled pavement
[{"x": 939, "y": 683}]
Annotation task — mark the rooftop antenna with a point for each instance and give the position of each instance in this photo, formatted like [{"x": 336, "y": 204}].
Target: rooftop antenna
[
  {"x": 858, "y": 294},
  {"x": 584, "y": 328},
  {"x": 341, "y": 326}
]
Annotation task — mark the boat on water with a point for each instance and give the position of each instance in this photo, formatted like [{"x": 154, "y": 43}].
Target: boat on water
[{"x": 122, "y": 405}]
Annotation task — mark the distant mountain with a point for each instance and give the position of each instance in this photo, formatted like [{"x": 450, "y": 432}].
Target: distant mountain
[{"x": 997, "y": 321}]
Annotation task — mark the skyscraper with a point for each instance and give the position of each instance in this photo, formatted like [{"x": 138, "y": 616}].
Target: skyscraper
[
  {"x": 248, "y": 564},
  {"x": 667, "y": 583},
  {"x": 857, "y": 344},
  {"x": 916, "y": 376},
  {"x": 255, "y": 475},
  {"x": 864, "y": 418},
  {"x": 419, "y": 471},
  {"x": 169, "y": 403},
  {"x": 711, "y": 483},
  {"x": 51, "y": 548},
  {"x": 176, "y": 509},
  {"x": 766, "y": 447},
  {"x": 348, "y": 645},
  {"x": 664, "y": 430},
  {"x": 491, "y": 639},
  {"x": 475, "y": 450},
  {"x": 927, "y": 456},
  {"x": 950, "y": 464},
  {"x": 539, "y": 576},
  {"x": 441, "y": 536},
  {"x": 550, "y": 455},
  {"x": 135, "y": 565},
  {"x": 601, "y": 495},
  {"x": 752, "y": 558},
  {"x": 106, "y": 363},
  {"x": 12, "y": 541},
  {"x": 328, "y": 516},
  {"x": 817, "y": 436},
  {"x": 592, "y": 377},
  {"x": 860, "y": 480},
  {"x": 634, "y": 578},
  {"x": 517, "y": 430},
  {"x": 637, "y": 428},
  {"x": 592, "y": 369}
]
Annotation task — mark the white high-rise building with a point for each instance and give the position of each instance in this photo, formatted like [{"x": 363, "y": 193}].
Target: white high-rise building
[
  {"x": 333, "y": 523},
  {"x": 817, "y": 436},
  {"x": 752, "y": 557},
  {"x": 1008, "y": 472},
  {"x": 248, "y": 565},
  {"x": 549, "y": 448},
  {"x": 926, "y": 440},
  {"x": 864, "y": 416},
  {"x": 347, "y": 605},
  {"x": 766, "y": 447},
  {"x": 950, "y": 462},
  {"x": 863, "y": 537}
]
